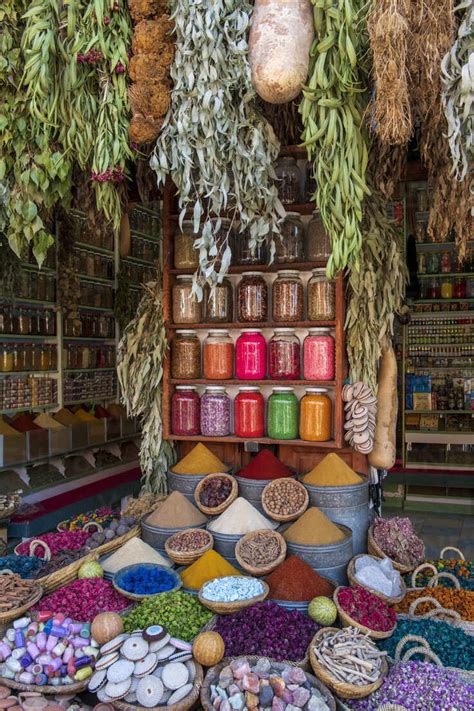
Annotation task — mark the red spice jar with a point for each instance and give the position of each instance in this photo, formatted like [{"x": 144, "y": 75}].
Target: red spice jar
[
  {"x": 185, "y": 411},
  {"x": 249, "y": 413},
  {"x": 284, "y": 355},
  {"x": 218, "y": 356},
  {"x": 318, "y": 355}
]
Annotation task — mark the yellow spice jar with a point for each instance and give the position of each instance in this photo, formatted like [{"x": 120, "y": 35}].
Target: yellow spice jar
[{"x": 316, "y": 415}]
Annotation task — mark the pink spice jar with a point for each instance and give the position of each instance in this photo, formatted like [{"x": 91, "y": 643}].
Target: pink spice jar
[
  {"x": 318, "y": 355},
  {"x": 251, "y": 355}
]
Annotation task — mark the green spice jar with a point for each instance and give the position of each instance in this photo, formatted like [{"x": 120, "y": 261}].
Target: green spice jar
[{"x": 283, "y": 414}]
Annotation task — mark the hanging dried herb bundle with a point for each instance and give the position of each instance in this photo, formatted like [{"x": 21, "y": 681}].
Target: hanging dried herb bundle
[
  {"x": 388, "y": 27},
  {"x": 457, "y": 78},
  {"x": 9, "y": 270},
  {"x": 215, "y": 145},
  {"x": 141, "y": 353},
  {"x": 375, "y": 292},
  {"x": 285, "y": 120},
  {"x": 452, "y": 209},
  {"x": 386, "y": 166},
  {"x": 69, "y": 283}
]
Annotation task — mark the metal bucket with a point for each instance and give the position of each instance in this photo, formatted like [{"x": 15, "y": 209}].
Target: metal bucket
[
  {"x": 184, "y": 483},
  {"x": 156, "y": 537},
  {"x": 329, "y": 560},
  {"x": 348, "y": 505},
  {"x": 251, "y": 489},
  {"x": 224, "y": 544},
  {"x": 288, "y": 605}
]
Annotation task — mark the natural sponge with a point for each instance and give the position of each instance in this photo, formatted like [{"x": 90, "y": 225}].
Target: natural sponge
[
  {"x": 143, "y": 9},
  {"x": 149, "y": 35}
]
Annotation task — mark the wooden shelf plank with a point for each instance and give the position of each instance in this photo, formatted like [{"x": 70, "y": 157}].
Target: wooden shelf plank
[
  {"x": 238, "y": 326},
  {"x": 257, "y": 383},
  {"x": 265, "y": 268},
  {"x": 262, "y": 440}
]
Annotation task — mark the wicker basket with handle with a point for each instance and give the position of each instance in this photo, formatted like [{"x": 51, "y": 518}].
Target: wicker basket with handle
[
  {"x": 425, "y": 649},
  {"x": 348, "y": 621},
  {"x": 354, "y": 582}
]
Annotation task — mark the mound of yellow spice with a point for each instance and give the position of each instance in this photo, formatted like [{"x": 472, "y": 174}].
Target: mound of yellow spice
[
  {"x": 332, "y": 471},
  {"x": 200, "y": 460},
  {"x": 208, "y": 566},
  {"x": 313, "y": 528}
]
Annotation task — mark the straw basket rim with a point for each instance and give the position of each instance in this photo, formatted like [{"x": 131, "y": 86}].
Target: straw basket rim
[
  {"x": 75, "y": 688},
  {"x": 342, "y": 689},
  {"x": 348, "y": 621},
  {"x": 374, "y": 549},
  {"x": 227, "y": 608},
  {"x": 216, "y": 510},
  {"x": 288, "y": 517},
  {"x": 10, "y": 615},
  {"x": 355, "y": 582},
  {"x": 188, "y": 557},
  {"x": 141, "y": 596},
  {"x": 270, "y": 567}
]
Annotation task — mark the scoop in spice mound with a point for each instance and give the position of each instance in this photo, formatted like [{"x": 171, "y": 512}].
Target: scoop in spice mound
[{"x": 398, "y": 540}]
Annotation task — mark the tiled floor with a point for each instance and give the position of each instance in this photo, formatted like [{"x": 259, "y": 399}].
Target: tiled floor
[{"x": 440, "y": 530}]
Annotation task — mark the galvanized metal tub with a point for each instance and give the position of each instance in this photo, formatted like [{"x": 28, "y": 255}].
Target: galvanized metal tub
[
  {"x": 348, "y": 505},
  {"x": 329, "y": 560},
  {"x": 251, "y": 489},
  {"x": 287, "y": 605},
  {"x": 224, "y": 544},
  {"x": 156, "y": 537}
]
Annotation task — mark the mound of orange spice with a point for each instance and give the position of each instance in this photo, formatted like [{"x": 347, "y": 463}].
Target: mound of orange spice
[{"x": 460, "y": 600}]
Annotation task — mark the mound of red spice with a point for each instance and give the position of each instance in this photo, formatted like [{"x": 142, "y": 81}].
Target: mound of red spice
[
  {"x": 24, "y": 423},
  {"x": 265, "y": 466},
  {"x": 367, "y": 609},
  {"x": 295, "y": 581}
]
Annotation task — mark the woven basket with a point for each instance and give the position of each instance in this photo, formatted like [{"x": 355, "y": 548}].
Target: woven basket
[
  {"x": 425, "y": 649},
  {"x": 355, "y": 582},
  {"x": 75, "y": 688},
  {"x": 348, "y": 621},
  {"x": 62, "y": 526},
  {"x": 188, "y": 557},
  {"x": 139, "y": 596},
  {"x": 213, "y": 675},
  {"x": 375, "y": 550},
  {"x": 183, "y": 705},
  {"x": 342, "y": 689},
  {"x": 288, "y": 517},
  {"x": 266, "y": 569},
  {"x": 227, "y": 608},
  {"x": 6, "y": 617},
  {"x": 209, "y": 511}
]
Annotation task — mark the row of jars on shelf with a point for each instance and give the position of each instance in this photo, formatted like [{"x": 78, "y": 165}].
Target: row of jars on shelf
[
  {"x": 148, "y": 223},
  {"x": 24, "y": 321},
  {"x": 90, "y": 386},
  {"x": 27, "y": 391},
  {"x": 286, "y": 417},
  {"x": 34, "y": 285},
  {"x": 89, "y": 356},
  {"x": 103, "y": 238},
  {"x": 447, "y": 288},
  {"x": 23, "y": 357},
  {"x": 440, "y": 263},
  {"x": 97, "y": 295},
  {"x": 252, "y": 297},
  {"x": 137, "y": 273},
  {"x": 146, "y": 249},
  {"x": 94, "y": 265},
  {"x": 89, "y": 325},
  {"x": 298, "y": 242},
  {"x": 282, "y": 358}
]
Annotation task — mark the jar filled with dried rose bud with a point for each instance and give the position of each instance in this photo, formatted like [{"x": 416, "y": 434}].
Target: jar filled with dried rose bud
[
  {"x": 185, "y": 411},
  {"x": 215, "y": 412},
  {"x": 284, "y": 355},
  {"x": 186, "y": 355},
  {"x": 321, "y": 295},
  {"x": 287, "y": 297}
]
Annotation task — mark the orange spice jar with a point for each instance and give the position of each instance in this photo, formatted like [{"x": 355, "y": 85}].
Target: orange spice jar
[
  {"x": 218, "y": 356},
  {"x": 316, "y": 415}
]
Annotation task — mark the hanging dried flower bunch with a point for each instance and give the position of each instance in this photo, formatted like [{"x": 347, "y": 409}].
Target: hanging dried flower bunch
[
  {"x": 215, "y": 144},
  {"x": 389, "y": 32}
]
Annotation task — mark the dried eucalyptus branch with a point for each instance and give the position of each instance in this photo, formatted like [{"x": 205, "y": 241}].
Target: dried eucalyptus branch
[
  {"x": 215, "y": 144},
  {"x": 141, "y": 353}
]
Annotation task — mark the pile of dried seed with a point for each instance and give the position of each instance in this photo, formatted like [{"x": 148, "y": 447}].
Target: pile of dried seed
[
  {"x": 15, "y": 592},
  {"x": 192, "y": 540},
  {"x": 349, "y": 656},
  {"x": 284, "y": 497},
  {"x": 260, "y": 549}
]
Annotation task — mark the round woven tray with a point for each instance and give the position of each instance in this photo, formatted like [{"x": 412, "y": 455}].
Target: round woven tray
[
  {"x": 209, "y": 511},
  {"x": 213, "y": 674},
  {"x": 6, "y": 617},
  {"x": 183, "y": 705},
  {"x": 75, "y": 688},
  {"x": 345, "y": 691},
  {"x": 142, "y": 596},
  {"x": 265, "y": 569},
  {"x": 348, "y": 621},
  {"x": 375, "y": 550},
  {"x": 188, "y": 557},
  {"x": 288, "y": 517},
  {"x": 354, "y": 582},
  {"x": 227, "y": 608}
]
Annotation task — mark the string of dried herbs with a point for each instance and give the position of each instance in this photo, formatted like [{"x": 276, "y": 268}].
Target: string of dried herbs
[
  {"x": 141, "y": 352},
  {"x": 375, "y": 292},
  {"x": 9, "y": 270},
  {"x": 215, "y": 144},
  {"x": 386, "y": 166},
  {"x": 69, "y": 283}
]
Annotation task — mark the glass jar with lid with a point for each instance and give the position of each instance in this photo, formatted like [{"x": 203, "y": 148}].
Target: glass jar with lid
[
  {"x": 215, "y": 412},
  {"x": 185, "y": 411},
  {"x": 284, "y": 355},
  {"x": 316, "y": 415},
  {"x": 317, "y": 243},
  {"x": 242, "y": 252},
  {"x": 446, "y": 288},
  {"x": 185, "y": 355},
  {"x": 218, "y": 356},
  {"x": 249, "y": 413},
  {"x": 282, "y": 414},
  {"x": 288, "y": 180},
  {"x": 289, "y": 244},
  {"x": 186, "y": 307},
  {"x": 319, "y": 355},
  {"x": 287, "y": 297},
  {"x": 185, "y": 256},
  {"x": 6, "y": 358},
  {"x": 252, "y": 298},
  {"x": 321, "y": 295},
  {"x": 219, "y": 302},
  {"x": 251, "y": 355}
]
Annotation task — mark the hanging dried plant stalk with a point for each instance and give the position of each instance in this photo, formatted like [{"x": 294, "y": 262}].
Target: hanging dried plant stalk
[
  {"x": 452, "y": 209},
  {"x": 386, "y": 166},
  {"x": 388, "y": 26},
  {"x": 140, "y": 358},
  {"x": 285, "y": 120}
]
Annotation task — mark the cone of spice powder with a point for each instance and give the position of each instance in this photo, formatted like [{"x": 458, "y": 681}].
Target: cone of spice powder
[
  {"x": 332, "y": 471},
  {"x": 265, "y": 466},
  {"x": 295, "y": 581},
  {"x": 176, "y": 512},
  {"x": 313, "y": 528},
  {"x": 200, "y": 460}
]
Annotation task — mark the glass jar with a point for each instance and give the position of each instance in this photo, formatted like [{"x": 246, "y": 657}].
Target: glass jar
[
  {"x": 459, "y": 288},
  {"x": 27, "y": 356},
  {"x": 284, "y": 355},
  {"x": 446, "y": 289},
  {"x": 88, "y": 357},
  {"x": 249, "y": 413},
  {"x": 215, "y": 412},
  {"x": 252, "y": 298},
  {"x": 6, "y": 358},
  {"x": 24, "y": 322},
  {"x": 6, "y": 319},
  {"x": 186, "y": 307},
  {"x": 35, "y": 357},
  {"x": 242, "y": 252},
  {"x": 49, "y": 323},
  {"x": 186, "y": 356},
  {"x": 446, "y": 263},
  {"x": 433, "y": 290},
  {"x": 317, "y": 243},
  {"x": 421, "y": 234},
  {"x": 45, "y": 358},
  {"x": 321, "y": 297},
  {"x": 219, "y": 302},
  {"x": 185, "y": 413},
  {"x": 470, "y": 287},
  {"x": 250, "y": 356},
  {"x": 289, "y": 245},
  {"x": 185, "y": 256},
  {"x": 218, "y": 356},
  {"x": 282, "y": 414},
  {"x": 288, "y": 180},
  {"x": 287, "y": 297},
  {"x": 318, "y": 355},
  {"x": 316, "y": 415},
  {"x": 224, "y": 237}
]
